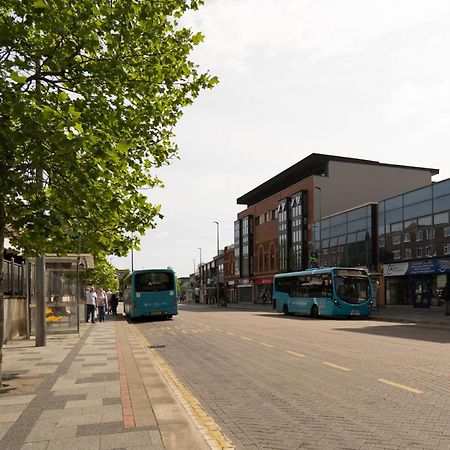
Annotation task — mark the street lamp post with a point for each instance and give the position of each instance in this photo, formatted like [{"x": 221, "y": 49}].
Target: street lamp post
[
  {"x": 200, "y": 274},
  {"x": 217, "y": 263},
  {"x": 320, "y": 223}
]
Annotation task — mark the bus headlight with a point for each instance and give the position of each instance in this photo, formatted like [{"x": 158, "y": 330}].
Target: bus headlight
[
  {"x": 336, "y": 303},
  {"x": 370, "y": 304}
]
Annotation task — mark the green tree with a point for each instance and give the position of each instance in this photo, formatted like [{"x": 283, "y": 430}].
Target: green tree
[
  {"x": 103, "y": 274},
  {"x": 90, "y": 92}
]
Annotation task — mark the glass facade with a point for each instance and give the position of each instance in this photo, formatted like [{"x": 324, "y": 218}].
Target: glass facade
[
  {"x": 247, "y": 246},
  {"x": 237, "y": 248},
  {"x": 346, "y": 239},
  {"x": 283, "y": 233},
  {"x": 298, "y": 232},
  {"x": 412, "y": 225}
]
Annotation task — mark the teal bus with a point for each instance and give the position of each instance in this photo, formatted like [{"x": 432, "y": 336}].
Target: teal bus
[
  {"x": 333, "y": 291},
  {"x": 150, "y": 292}
]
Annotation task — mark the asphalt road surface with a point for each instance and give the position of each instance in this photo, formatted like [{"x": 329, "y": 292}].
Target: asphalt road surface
[{"x": 275, "y": 382}]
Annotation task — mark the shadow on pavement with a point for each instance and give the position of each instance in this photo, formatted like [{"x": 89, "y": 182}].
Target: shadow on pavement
[{"x": 406, "y": 331}]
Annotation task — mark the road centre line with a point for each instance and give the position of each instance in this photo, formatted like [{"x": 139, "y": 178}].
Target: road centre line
[
  {"x": 218, "y": 329},
  {"x": 267, "y": 345},
  {"x": 246, "y": 338},
  {"x": 335, "y": 366},
  {"x": 400, "y": 386},
  {"x": 230, "y": 333},
  {"x": 295, "y": 354}
]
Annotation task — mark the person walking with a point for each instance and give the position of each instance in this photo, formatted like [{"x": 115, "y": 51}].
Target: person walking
[
  {"x": 101, "y": 304},
  {"x": 91, "y": 303},
  {"x": 114, "y": 302},
  {"x": 108, "y": 300}
]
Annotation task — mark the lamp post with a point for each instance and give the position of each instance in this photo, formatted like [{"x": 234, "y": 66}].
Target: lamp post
[
  {"x": 199, "y": 273},
  {"x": 132, "y": 253},
  {"x": 320, "y": 223},
  {"x": 217, "y": 263}
]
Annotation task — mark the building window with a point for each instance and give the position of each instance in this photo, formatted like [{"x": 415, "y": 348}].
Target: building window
[
  {"x": 396, "y": 240},
  {"x": 381, "y": 242},
  {"x": 446, "y": 231},
  {"x": 429, "y": 251},
  {"x": 419, "y": 252},
  {"x": 446, "y": 249},
  {"x": 406, "y": 237},
  {"x": 429, "y": 233},
  {"x": 407, "y": 253},
  {"x": 397, "y": 254}
]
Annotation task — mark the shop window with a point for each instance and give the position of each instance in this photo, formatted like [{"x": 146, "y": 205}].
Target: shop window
[
  {"x": 396, "y": 240},
  {"x": 419, "y": 252},
  {"x": 419, "y": 235},
  {"x": 396, "y": 254},
  {"x": 446, "y": 249},
  {"x": 406, "y": 237},
  {"x": 381, "y": 242},
  {"x": 407, "y": 253}
]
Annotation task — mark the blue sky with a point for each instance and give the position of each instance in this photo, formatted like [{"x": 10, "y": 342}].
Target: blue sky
[{"x": 354, "y": 78}]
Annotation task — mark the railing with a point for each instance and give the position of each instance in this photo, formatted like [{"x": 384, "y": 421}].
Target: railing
[{"x": 14, "y": 281}]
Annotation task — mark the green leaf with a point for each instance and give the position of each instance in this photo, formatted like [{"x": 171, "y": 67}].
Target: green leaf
[
  {"x": 18, "y": 78},
  {"x": 40, "y": 4}
]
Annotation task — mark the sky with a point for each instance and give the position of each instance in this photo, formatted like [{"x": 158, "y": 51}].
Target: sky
[{"x": 354, "y": 78}]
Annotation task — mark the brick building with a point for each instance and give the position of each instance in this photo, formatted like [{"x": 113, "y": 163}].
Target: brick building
[{"x": 274, "y": 233}]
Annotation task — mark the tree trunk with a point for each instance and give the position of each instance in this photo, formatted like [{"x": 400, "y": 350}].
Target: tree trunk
[{"x": 2, "y": 290}]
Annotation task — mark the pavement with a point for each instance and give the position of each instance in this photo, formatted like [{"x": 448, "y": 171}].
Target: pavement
[
  {"x": 106, "y": 388},
  {"x": 101, "y": 389}
]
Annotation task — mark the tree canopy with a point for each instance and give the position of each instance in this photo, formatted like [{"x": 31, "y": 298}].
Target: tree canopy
[{"x": 90, "y": 92}]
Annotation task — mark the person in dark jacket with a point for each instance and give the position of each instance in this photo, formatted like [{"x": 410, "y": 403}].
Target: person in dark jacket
[{"x": 113, "y": 304}]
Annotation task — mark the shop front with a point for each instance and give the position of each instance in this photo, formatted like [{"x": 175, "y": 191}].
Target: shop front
[
  {"x": 416, "y": 283},
  {"x": 263, "y": 290}
]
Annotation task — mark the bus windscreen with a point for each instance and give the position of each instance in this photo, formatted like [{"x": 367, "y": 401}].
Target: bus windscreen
[{"x": 352, "y": 285}]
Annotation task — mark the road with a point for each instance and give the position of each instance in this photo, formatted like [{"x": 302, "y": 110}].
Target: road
[{"x": 275, "y": 382}]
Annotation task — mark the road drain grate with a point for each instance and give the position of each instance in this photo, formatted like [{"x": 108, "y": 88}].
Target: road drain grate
[{"x": 157, "y": 346}]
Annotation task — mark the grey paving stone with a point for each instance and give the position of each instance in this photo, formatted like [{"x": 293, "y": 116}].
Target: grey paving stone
[
  {"x": 112, "y": 401},
  {"x": 99, "y": 377},
  {"x": 103, "y": 428},
  {"x": 133, "y": 438},
  {"x": 76, "y": 443},
  {"x": 42, "y": 445}
]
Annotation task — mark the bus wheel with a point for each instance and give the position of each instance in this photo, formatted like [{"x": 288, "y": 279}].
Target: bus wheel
[
  {"x": 169, "y": 316},
  {"x": 285, "y": 309},
  {"x": 315, "y": 311}
]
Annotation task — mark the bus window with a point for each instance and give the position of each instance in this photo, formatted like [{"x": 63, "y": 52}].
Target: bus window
[{"x": 153, "y": 282}]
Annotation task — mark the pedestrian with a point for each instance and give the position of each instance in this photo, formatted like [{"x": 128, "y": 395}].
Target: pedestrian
[
  {"x": 108, "y": 300},
  {"x": 91, "y": 304},
  {"x": 101, "y": 304},
  {"x": 114, "y": 302}
]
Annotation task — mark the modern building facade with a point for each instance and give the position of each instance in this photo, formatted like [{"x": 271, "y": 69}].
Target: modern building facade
[{"x": 275, "y": 232}]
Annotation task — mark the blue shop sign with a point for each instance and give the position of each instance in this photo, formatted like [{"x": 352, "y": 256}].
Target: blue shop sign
[{"x": 429, "y": 266}]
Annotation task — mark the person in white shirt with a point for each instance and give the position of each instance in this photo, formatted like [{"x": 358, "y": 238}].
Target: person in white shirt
[
  {"x": 101, "y": 304},
  {"x": 108, "y": 300},
  {"x": 91, "y": 304}
]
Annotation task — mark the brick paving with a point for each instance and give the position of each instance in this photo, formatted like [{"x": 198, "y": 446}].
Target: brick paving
[{"x": 101, "y": 390}]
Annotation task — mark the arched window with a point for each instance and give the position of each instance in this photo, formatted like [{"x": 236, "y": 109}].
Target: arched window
[{"x": 260, "y": 259}]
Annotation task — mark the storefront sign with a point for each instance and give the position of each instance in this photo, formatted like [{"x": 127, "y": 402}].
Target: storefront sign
[
  {"x": 395, "y": 269},
  {"x": 417, "y": 267},
  {"x": 268, "y": 280}
]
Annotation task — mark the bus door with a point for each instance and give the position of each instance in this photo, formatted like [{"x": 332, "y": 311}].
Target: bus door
[{"x": 422, "y": 292}]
